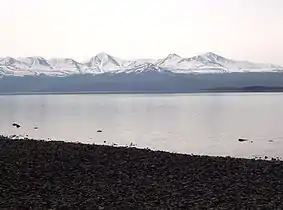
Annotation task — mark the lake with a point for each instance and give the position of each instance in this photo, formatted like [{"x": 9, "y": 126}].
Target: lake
[{"x": 208, "y": 124}]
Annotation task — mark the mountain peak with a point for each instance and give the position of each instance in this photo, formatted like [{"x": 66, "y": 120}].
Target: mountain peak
[
  {"x": 102, "y": 55},
  {"x": 104, "y": 62},
  {"x": 173, "y": 56},
  {"x": 169, "y": 61},
  {"x": 208, "y": 57},
  {"x": 9, "y": 60},
  {"x": 35, "y": 60},
  {"x": 36, "y": 57},
  {"x": 211, "y": 55}
]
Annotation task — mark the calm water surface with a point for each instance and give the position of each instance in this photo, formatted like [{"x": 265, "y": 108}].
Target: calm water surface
[{"x": 187, "y": 123}]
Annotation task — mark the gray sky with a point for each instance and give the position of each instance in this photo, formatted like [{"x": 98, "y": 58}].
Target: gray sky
[{"x": 239, "y": 29}]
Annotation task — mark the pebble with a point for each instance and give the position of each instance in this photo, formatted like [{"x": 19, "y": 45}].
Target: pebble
[
  {"x": 38, "y": 174},
  {"x": 16, "y": 125}
]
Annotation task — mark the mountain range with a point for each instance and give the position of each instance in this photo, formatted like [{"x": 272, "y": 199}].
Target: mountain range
[{"x": 104, "y": 63}]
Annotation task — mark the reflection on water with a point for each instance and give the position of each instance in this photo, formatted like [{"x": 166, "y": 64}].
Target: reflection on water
[{"x": 188, "y": 123}]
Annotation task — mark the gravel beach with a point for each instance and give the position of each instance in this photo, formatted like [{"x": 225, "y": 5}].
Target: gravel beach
[{"x": 58, "y": 175}]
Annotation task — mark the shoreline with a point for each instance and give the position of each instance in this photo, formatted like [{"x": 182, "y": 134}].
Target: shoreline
[
  {"x": 216, "y": 91},
  {"x": 41, "y": 174}
]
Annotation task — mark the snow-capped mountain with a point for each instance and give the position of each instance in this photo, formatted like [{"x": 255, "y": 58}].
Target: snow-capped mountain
[
  {"x": 104, "y": 63},
  {"x": 212, "y": 63},
  {"x": 171, "y": 61}
]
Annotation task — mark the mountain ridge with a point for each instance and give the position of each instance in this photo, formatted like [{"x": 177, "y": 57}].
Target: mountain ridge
[{"x": 104, "y": 63}]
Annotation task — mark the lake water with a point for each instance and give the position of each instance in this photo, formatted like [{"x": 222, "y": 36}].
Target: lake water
[{"x": 186, "y": 123}]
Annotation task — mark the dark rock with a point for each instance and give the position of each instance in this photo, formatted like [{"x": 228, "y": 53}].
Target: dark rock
[
  {"x": 99, "y": 131},
  {"x": 13, "y": 136},
  {"x": 35, "y": 128},
  {"x": 132, "y": 144},
  {"x": 242, "y": 140},
  {"x": 16, "y": 125}
]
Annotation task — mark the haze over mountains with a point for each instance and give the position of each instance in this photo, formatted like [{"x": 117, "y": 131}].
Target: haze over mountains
[{"x": 105, "y": 63}]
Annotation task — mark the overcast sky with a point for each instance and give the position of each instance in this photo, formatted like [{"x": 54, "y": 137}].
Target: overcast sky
[{"x": 239, "y": 29}]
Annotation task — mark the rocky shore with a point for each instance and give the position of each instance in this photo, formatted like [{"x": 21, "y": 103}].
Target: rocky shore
[{"x": 57, "y": 175}]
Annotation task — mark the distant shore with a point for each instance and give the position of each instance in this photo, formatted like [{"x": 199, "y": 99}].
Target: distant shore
[
  {"x": 249, "y": 89},
  {"x": 93, "y": 92},
  {"x": 58, "y": 175},
  {"x": 146, "y": 82}
]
